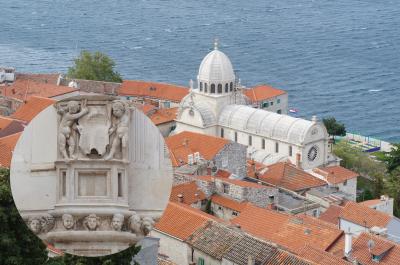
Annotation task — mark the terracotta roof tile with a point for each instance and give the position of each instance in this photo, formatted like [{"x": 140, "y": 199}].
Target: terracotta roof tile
[
  {"x": 291, "y": 232},
  {"x": 332, "y": 214},
  {"x": 389, "y": 250},
  {"x": 161, "y": 116},
  {"x": 14, "y": 127},
  {"x": 154, "y": 90},
  {"x": 338, "y": 174},
  {"x": 51, "y": 78},
  {"x": 321, "y": 257},
  {"x": 4, "y": 122},
  {"x": 228, "y": 203},
  {"x": 146, "y": 108},
  {"x": 23, "y": 89},
  {"x": 262, "y": 92},
  {"x": 7, "y": 145},
  {"x": 191, "y": 193},
  {"x": 364, "y": 216},
  {"x": 223, "y": 174},
  {"x": 180, "y": 220},
  {"x": 370, "y": 203},
  {"x": 281, "y": 257},
  {"x": 31, "y": 108},
  {"x": 287, "y": 175},
  {"x": 182, "y": 144},
  {"x": 337, "y": 248}
]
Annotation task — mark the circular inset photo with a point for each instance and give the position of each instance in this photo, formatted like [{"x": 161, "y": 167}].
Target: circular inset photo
[{"x": 91, "y": 175}]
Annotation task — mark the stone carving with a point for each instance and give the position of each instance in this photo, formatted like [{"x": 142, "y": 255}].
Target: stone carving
[
  {"x": 35, "y": 225},
  {"x": 68, "y": 127},
  {"x": 135, "y": 223},
  {"x": 147, "y": 225},
  {"x": 68, "y": 221},
  {"x": 91, "y": 222},
  {"x": 117, "y": 222},
  {"x": 119, "y": 130},
  {"x": 47, "y": 223}
]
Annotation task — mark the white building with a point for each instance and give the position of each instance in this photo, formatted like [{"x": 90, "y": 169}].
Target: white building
[{"x": 218, "y": 107}]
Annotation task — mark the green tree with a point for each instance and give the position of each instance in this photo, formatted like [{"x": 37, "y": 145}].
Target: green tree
[
  {"x": 392, "y": 158},
  {"x": 96, "y": 66},
  {"x": 392, "y": 188},
  {"x": 333, "y": 127},
  {"x": 18, "y": 245}
]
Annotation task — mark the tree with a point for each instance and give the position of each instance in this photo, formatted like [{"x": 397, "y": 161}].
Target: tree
[
  {"x": 96, "y": 66},
  {"x": 392, "y": 188},
  {"x": 333, "y": 127},
  {"x": 392, "y": 158},
  {"x": 18, "y": 245}
]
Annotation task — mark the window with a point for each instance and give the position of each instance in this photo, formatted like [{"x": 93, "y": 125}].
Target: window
[
  {"x": 226, "y": 88},
  {"x": 345, "y": 183},
  {"x": 219, "y": 208},
  {"x": 250, "y": 140},
  {"x": 225, "y": 187},
  {"x": 263, "y": 143},
  {"x": 279, "y": 111},
  {"x": 63, "y": 183},
  {"x": 222, "y": 132},
  {"x": 278, "y": 101},
  {"x": 219, "y": 89},
  {"x": 315, "y": 213},
  {"x": 205, "y": 87},
  {"x": 290, "y": 150},
  {"x": 120, "y": 185},
  {"x": 231, "y": 86},
  {"x": 276, "y": 147},
  {"x": 265, "y": 105},
  {"x": 212, "y": 88},
  {"x": 272, "y": 103},
  {"x": 200, "y": 261},
  {"x": 236, "y": 137},
  {"x": 235, "y": 213},
  {"x": 201, "y": 86}
]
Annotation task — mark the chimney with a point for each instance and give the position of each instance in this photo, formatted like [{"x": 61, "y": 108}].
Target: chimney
[
  {"x": 250, "y": 260},
  {"x": 347, "y": 243},
  {"x": 271, "y": 202},
  {"x": 314, "y": 118},
  {"x": 298, "y": 160},
  {"x": 180, "y": 197}
]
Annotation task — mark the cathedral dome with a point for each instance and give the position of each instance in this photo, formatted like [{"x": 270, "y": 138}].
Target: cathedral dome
[{"x": 216, "y": 67}]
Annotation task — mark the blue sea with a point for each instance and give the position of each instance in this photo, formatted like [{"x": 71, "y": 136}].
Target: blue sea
[{"x": 335, "y": 58}]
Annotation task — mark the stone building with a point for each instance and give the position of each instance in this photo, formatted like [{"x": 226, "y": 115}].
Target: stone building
[
  {"x": 83, "y": 170},
  {"x": 268, "y": 98}
]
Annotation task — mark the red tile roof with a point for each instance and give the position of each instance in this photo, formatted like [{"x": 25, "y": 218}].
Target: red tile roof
[
  {"x": 364, "y": 216},
  {"x": 291, "y": 232},
  {"x": 23, "y": 89},
  {"x": 146, "y": 108},
  {"x": 32, "y": 107},
  {"x": 370, "y": 203},
  {"x": 4, "y": 122},
  {"x": 389, "y": 249},
  {"x": 331, "y": 215},
  {"x": 161, "y": 116},
  {"x": 191, "y": 193},
  {"x": 51, "y": 78},
  {"x": 7, "y": 145},
  {"x": 287, "y": 175},
  {"x": 185, "y": 143},
  {"x": 154, "y": 90},
  {"x": 337, "y": 174},
  {"x": 14, "y": 127},
  {"x": 321, "y": 257},
  {"x": 262, "y": 92},
  {"x": 228, "y": 203},
  {"x": 180, "y": 220}
]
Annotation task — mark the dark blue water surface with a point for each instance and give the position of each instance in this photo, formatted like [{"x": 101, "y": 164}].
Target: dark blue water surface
[{"x": 339, "y": 58}]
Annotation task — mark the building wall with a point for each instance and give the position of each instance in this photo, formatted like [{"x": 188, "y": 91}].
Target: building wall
[
  {"x": 275, "y": 106},
  {"x": 208, "y": 260},
  {"x": 166, "y": 128},
  {"x": 350, "y": 188},
  {"x": 232, "y": 158},
  {"x": 351, "y": 227},
  {"x": 385, "y": 206},
  {"x": 177, "y": 251},
  {"x": 223, "y": 212},
  {"x": 260, "y": 196}
]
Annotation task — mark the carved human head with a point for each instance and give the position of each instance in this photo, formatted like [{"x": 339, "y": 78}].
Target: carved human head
[
  {"x": 118, "y": 108},
  {"x": 35, "y": 224},
  {"x": 134, "y": 223},
  {"x": 117, "y": 222},
  {"x": 92, "y": 222},
  {"x": 68, "y": 221},
  {"x": 147, "y": 225},
  {"x": 73, "y": 106}
]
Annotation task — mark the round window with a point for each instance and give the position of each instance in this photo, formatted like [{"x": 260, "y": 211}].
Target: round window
[{"x": 313, "y": 153}]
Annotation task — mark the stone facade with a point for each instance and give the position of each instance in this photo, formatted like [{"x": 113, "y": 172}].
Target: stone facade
[{"x": 232, "y": 158}]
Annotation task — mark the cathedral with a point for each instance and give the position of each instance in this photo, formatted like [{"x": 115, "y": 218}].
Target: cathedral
[{"x": 217, "y": 106}]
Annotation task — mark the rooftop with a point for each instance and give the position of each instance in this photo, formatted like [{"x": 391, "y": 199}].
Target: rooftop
[
  {"x": 190, "y": 192},
  {"x": 332, "y": 214},
  {"x": 364, "y": 216},
  {"x": 161, "y": 116},
  {"x": 33, "y": 106},
  {"x": 337, "y": 174},
  {"x": 321, "y": 257},
  {"x": 228, "y": 203},
  {"x": 262, "y": 92},
  {"x": 154, "y": 90},
  {"x": 7, "y": 145}
]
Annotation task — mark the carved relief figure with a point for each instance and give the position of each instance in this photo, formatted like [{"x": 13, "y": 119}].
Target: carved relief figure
[
  {"x": 134, "y": 223},
  {"x": 35, "y": 225},
  {"x": 68, "y": 221},
  {"x": 147, "y": 225},
  {"x": 69, "y": 116},
  {"x": 47, "y": 223},
  {"x": 120, "y": 129},
  {"x": 117, "y": 222},
  {"x": 92, "y": 222}
]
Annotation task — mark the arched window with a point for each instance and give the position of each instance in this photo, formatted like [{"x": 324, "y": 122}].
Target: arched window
[
  {"x": 219, "y": 89},
  {"x": 212, "y": 88},
  {"x": 231, "y": 86},
  {"x": 201, "y": 86},
  {"x": 226, "y": 88},
  {"x": 222, "y": 132},
  {"x": 250, "y": 140},
  {"x": 236, "y": 137},
  {"x": 205, "y": 87},
  {"x": 263, "y": 143}
]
